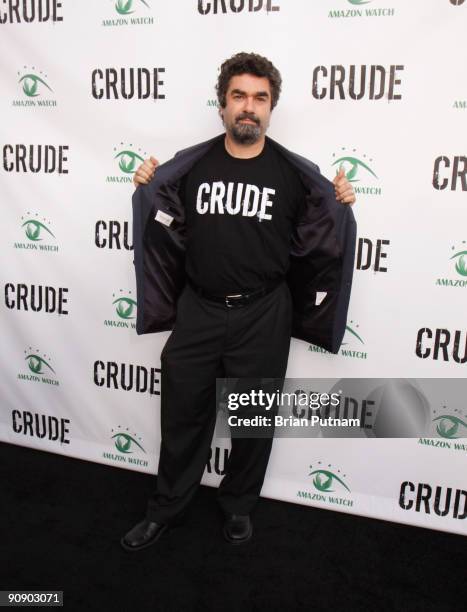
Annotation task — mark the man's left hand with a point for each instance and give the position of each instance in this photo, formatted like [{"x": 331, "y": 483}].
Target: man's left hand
[{"x": 343, "y": 188}]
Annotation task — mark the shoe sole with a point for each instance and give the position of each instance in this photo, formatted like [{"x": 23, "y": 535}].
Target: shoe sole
[
  {"x": 237, "y": 542},
  {"x": 125, "y": 546}
]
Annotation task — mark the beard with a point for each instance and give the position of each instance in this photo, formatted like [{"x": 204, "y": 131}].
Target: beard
[{"x": 245, "y": 133}]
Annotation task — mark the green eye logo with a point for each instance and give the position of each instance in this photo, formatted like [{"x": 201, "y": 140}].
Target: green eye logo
[
  {"x": 448, "y": 426},
  {"x": 357, "y": 2},
  {"x": 30, "y": 84},
  {"x": 123, "y": 7},
  {"x": 33, "y": 229},
  {"x": 323, "y": 480},
  {"x": 124, "y": 308},
  {"x": 461, "y": 263},
  {"x": 351, "y": 166},
  {"x": 124, "y": 441},
  {"x": 127, "y": 161},
  {"x": 36, "y": 363},
  {"x": 353, "y": 332}
]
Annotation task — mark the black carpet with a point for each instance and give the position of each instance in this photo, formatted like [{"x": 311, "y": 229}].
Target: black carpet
[{"x": 63, "y": 518}]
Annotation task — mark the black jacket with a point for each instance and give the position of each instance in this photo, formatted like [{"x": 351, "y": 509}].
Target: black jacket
[{"x": 321, "y": 256}]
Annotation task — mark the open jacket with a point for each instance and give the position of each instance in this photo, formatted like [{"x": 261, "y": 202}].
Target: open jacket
[{"x": 321, "y": 255}]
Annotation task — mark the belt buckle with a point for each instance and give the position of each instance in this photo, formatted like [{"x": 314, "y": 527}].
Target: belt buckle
[{"x": 230, "y": 304}]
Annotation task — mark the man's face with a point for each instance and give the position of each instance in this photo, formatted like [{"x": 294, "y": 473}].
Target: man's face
[{"x": 248, "y": 108}]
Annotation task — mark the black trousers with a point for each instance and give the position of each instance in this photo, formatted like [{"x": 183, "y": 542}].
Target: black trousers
[{"x": 212, "y": 341}]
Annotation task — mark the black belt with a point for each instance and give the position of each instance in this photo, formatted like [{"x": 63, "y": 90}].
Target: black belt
[{"x": 236, "y": 300}]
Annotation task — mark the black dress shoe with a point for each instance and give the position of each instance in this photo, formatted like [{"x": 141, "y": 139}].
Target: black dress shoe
[
  {"x": 142, "y": 535},
  {"x": 238, "y": 528}
]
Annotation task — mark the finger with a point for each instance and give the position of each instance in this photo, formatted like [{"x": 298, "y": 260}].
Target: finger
[
  {"x": 343, "y": 193},
  {"x": 340, "y": 174},
  {"x": 344, "y": 185},
  {"x": 153, "y": 161},
  {"x": 340, "y": 181},
  {"x": 350, "y": 199},
  {"x": 144, "y": 174},
  {"x": 148, "y": 167},
  {"x": 141, "y": 179},
  {"x": 346, "y": 198}
]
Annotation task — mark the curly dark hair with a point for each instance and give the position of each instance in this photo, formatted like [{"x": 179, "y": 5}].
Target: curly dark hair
[{"x": 248, "y": 63}]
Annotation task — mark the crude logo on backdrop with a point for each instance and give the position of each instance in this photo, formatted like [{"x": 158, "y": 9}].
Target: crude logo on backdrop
[
  {"x": 39, "y": 11},
  {"x": 34, "y": 158},
  {"x": 217, "y": 460},
  {"x": 429, "y": 498},
  {"x": 113, "y": 234},
  {"x": 36, "y": 298},
  {"x": 126, "y": 377},
  {"x": 450, "y": 173},
  {"x": 127, "y": 83},
  {"x": 371, "y": 254},
  {"x": 442, "y": 344},
  {"x": 210, "y": 7},
  {"x": 42, "y": 426},
  {"x": 352, "y": 82}
]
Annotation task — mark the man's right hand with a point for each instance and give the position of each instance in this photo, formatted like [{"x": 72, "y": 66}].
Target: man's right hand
[{"x": 145, "y": 171}]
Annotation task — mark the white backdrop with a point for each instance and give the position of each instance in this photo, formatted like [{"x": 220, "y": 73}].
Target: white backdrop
[{"x": 69, "y": 229}]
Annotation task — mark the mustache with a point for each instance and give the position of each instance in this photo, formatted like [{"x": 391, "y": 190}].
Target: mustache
[{"x": 247, "y": 116}]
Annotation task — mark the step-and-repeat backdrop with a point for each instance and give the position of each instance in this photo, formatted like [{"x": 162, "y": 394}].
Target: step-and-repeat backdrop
[{"x": 89, "y": 89}]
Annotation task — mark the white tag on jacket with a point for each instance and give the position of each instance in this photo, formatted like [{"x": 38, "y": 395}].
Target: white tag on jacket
[
  {"x": 163, "y": 218},
  {"x": 320, "y": 295}
]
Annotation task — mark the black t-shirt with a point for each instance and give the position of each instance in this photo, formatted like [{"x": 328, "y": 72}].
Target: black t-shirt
[{"x": 239, "y": 219}]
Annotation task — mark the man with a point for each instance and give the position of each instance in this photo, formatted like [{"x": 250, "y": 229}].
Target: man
[{"x": 238, "y": 245}]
